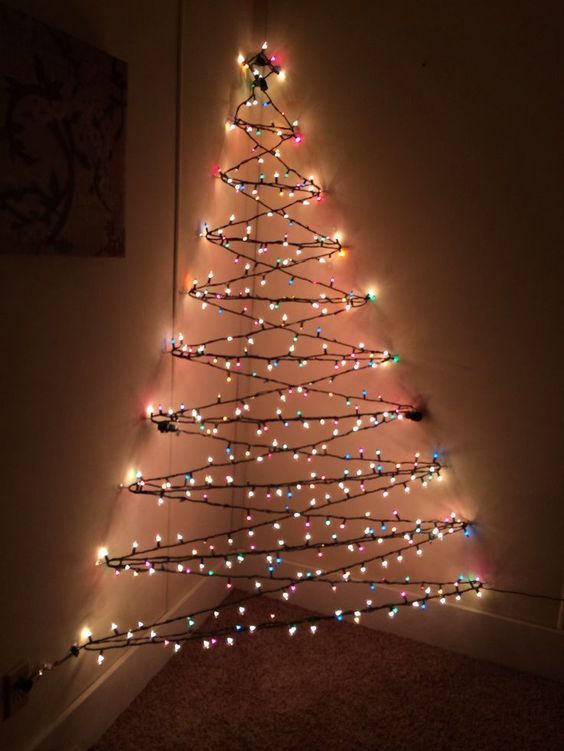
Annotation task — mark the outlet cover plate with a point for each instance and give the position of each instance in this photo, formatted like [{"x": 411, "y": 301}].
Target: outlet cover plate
[{"x": 13, "y": 699}]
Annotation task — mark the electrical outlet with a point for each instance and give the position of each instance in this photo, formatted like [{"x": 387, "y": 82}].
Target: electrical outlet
[{"x": 16, "y": 686}]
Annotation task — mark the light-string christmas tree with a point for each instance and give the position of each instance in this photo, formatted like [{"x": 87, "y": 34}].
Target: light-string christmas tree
[{"x": 308, "y": 493}]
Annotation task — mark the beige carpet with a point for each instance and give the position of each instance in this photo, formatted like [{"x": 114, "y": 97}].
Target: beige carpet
[{"x": 347, "y": 687}]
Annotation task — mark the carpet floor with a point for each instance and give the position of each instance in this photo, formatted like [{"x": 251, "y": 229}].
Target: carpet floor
[{"x": 347, "y": 687}]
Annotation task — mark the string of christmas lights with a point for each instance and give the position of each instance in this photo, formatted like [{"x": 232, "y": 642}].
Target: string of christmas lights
[
  {"x": 313, "y": 506},
  {"x": 287, "y": 331},
  {"x": 302, "y": 483}
]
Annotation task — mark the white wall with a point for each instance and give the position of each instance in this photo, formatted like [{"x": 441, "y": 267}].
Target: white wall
[
  {"x": 82, "y": 355},
  {"x": 435, "y": 128}
]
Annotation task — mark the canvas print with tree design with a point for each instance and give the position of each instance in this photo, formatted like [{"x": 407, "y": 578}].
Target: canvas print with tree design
[{"x": 62, "y": 142}]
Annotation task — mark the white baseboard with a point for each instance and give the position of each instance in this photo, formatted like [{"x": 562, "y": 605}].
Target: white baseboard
[
  {"x": 485, "y": 636},
  {"x": 82, "y": 724}
]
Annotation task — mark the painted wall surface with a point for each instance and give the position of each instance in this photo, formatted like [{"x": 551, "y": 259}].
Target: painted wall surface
[
  {"x": 82, "y": 354},
  {"x": 435, "y": 129},
  {"x": 209, "y": 85}
]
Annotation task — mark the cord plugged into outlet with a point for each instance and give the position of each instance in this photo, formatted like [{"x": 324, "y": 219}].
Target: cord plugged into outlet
[{"x": 16, "y": 685}]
